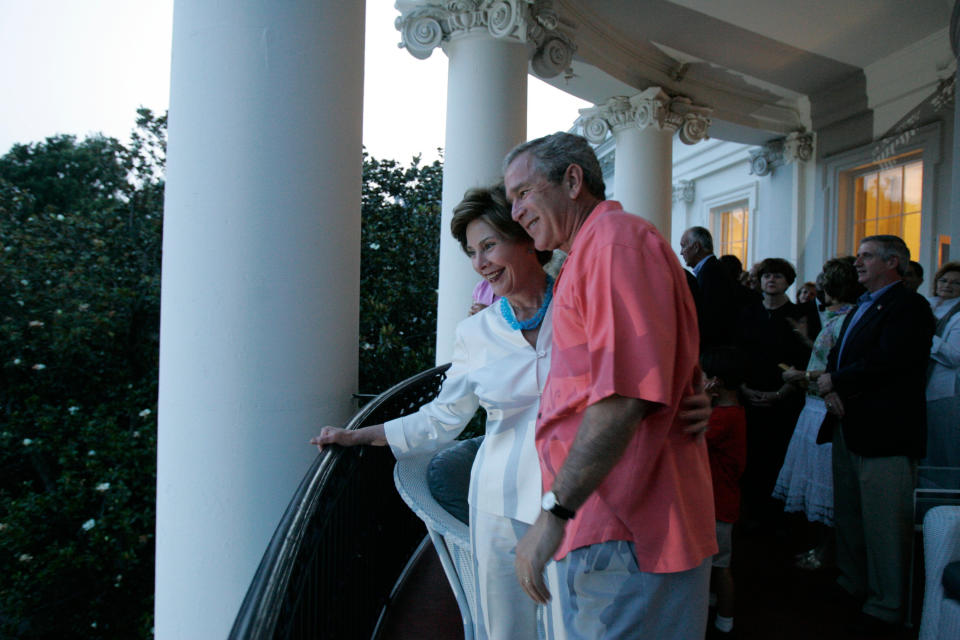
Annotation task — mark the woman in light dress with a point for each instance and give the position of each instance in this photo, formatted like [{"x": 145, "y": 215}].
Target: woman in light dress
[
  {"x": 805, "y": 482},
  {"x": 500, "y": 362},
  {"x": 943, "y": 384}
]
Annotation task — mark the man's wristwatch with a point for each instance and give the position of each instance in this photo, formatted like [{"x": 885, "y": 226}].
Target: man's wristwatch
[{"x": 549, "y": 503}]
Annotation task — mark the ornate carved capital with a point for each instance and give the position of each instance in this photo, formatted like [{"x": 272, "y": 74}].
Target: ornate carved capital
[
  {"x": 650, "y": 108},
  {"x": 684, "y": 190},
  {"x": 427, "y": 24},
  {"x": 796, "y": 147}
]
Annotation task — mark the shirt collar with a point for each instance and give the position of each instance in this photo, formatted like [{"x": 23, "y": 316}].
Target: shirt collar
[
  {"x": 696, "y": 269},
  {"x": 871, "y": 297},
  {"x": 602, "y": 207}
]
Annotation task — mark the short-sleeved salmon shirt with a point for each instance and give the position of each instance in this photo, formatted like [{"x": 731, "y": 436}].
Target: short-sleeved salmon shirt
[{"x": 625, "y": 324}]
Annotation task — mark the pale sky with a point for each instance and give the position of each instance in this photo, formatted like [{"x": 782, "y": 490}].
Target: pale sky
[{"x": 84, "y": 66}]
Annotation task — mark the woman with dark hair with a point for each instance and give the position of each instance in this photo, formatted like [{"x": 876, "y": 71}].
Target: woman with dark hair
[
  {"x": 500, "y": 362},
  {"x": 805, "y": 483},
  {"x": 771, "y": 344},
  {"x": 943, "y": 374}
]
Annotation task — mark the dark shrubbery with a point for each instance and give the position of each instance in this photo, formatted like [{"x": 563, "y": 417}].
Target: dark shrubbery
[
  {"x": 398, "y": 271},
  {"x": 80, "y": 231},
  {"x": 80, "y": 243}
]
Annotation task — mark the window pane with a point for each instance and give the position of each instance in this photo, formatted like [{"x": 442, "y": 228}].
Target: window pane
[
  {"x": 870, "y": 196},
  {"x": 860, "y": 206},
  {"x": 888, "y": 201},
  {"x": 912, "y": 186},
  {"x": 889, "y": 226},
  {"x": 732, "y": 236},
  {"x": 911, "y": 233}
]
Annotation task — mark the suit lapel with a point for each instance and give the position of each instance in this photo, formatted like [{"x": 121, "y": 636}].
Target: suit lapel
[{"x": 869, "y": 317}]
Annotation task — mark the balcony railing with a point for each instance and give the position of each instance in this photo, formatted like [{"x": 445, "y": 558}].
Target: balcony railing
[{"x": 343, "y": 541}]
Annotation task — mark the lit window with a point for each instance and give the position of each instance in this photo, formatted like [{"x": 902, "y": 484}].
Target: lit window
[
  {"x": 887, "y": 201},
  {"x": 731, "y": 231}
]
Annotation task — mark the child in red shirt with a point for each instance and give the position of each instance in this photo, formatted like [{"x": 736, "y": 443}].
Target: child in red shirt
[{"x": 727, "y": 448}]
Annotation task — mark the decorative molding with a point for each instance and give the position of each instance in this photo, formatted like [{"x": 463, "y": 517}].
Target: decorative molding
[
  {"x": 426, "y": 24},
  {"x": 684, "y": 190},
  {"x": 652, "y": 107},
  {"x": 796, "y": 147}
]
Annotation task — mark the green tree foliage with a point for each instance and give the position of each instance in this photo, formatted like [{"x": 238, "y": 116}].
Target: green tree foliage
[
  {"x": 398, "y": 270},
  {"x": 80, "y": 240}
]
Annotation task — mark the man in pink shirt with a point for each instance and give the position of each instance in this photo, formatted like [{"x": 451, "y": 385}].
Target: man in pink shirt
[{"x": 628, "y": 505}]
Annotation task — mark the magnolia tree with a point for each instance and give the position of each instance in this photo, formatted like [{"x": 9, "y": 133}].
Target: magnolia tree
[
  {"x": 80, "y": 242},
  {"x": 398, "y": 271}
]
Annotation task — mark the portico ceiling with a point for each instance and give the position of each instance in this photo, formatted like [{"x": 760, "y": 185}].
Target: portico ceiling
[{"x": 766, "y": 67}]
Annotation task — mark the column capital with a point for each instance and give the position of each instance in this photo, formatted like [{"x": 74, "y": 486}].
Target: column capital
[
  {"x": 427, "y": 24},
  {"x": 684, "y": 190},
  {"x": 795, "y": 147},
  {"x": 652, "y": 107}
]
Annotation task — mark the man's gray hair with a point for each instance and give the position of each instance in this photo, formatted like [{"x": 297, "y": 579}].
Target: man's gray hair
[
  {"x": 892, "y": 246},
  {"x": 554, "y": 153},
  {"x": 701, "y": 235}
]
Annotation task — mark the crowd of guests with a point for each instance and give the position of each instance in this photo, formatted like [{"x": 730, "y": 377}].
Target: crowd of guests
[
  {"x": 844, "y": 393},
  {"x": 636, "y": 411}
]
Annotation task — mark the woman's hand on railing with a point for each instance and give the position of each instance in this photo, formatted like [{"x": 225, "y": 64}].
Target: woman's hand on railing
[{"x": 373, "y": 435}]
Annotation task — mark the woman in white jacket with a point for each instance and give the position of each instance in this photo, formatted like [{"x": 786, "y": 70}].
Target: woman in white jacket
[{"x": 943, "y": 383}]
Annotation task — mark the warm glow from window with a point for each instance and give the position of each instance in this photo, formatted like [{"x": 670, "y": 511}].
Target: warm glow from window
[
  {"x": 888, "y": 202},
  {"x": 731, "y": 236}
]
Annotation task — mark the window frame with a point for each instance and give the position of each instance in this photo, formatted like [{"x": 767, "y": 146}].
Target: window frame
[
  {"x": 744, "y": 196},
  {"x": 841, "y": 171}
]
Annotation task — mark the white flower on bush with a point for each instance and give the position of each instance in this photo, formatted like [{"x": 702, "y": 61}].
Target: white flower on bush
[
  {"x": 24, "y": 282},
  {"x": 36, "y": 323},
  {"x": 39, "y": 367},
  {"x": 103, "y": 486},
  {"x": 91, "y": 452},
  {"x": 25, "y": 557},
  {"x": 17, "y": 361},
  {"x": 73, "y": 410},
  {"x": 59, "y": 216},
  {"x": 145, "y": 413},
  {"x": 27, "y": 442},
  {"x": 83, "y": 307},
  {"x": 89, "y": 524}
]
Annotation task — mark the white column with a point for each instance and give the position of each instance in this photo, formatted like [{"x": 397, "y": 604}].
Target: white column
[
  {"x": 489, "y": 47},
  {"x": 486, "y": 117},
  {"x": 642, "y": 179},
  {"x": 643, "y": 128},
  {"x": 260, "y": 284},
  {"x": 954, "y": 209}
]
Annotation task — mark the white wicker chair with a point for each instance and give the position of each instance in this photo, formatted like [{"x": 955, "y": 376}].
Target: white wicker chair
[
  {"x": 450, "y": 537},
  {"x": 941, "y": 545}
]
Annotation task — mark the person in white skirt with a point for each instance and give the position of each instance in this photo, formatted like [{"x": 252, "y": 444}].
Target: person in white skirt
[
  {"x": 805, "y": 482},
  {"x": 943, "y": 373}
]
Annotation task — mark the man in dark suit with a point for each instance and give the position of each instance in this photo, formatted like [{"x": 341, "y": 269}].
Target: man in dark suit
[
  {"x": 874, "y": 385},
  {"x": 717, "y": 301}
]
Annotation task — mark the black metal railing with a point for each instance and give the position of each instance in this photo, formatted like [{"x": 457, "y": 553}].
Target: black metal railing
[{"x": 343, "y": 541}]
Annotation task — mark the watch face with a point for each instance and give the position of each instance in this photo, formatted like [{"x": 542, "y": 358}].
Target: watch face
[{"x": 549, "y": 501}]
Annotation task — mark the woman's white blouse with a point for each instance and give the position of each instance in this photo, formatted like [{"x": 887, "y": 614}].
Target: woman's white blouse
[
  {"x": 945, "y": 352},
  {"x": 494, "y": 367}
]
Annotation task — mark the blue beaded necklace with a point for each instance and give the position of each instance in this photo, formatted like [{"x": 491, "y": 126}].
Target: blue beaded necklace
[{"x": 533, "y": 322}]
